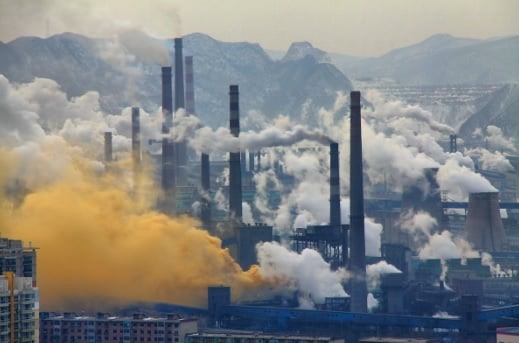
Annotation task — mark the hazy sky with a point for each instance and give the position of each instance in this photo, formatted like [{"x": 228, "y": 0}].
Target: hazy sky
[{"x": 355, "y": 27}]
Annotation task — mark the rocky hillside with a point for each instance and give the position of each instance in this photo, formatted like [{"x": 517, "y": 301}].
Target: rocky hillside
[{"x": 126, "y": 78}]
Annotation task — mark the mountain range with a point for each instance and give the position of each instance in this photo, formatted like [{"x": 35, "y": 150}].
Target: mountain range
[{"x": 296, "y": 83}]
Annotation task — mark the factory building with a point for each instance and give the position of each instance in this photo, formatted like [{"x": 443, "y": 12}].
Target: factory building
[{"x": 103, "y": 328}]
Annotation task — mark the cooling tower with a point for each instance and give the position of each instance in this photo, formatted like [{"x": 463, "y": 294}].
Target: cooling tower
[
  {"x": 357, "y": 244},
  {"x": 205, "y": 202},
  {"x": 136, "y": 137},
  {"x": 190, "y": 86},
  {"x": 108, "y": 147},
  {"x": 483, "y": 227},
  {"x": 168, "y": 162},
  {"x": 235, "y": 196}
]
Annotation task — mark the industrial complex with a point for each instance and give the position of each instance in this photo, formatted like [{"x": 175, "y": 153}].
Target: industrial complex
[{"x": 459, "y": 298}]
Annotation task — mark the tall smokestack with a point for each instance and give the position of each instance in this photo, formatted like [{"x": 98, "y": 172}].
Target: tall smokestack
[
  {"x": 335, "y": 192},
  {"x": 179, "y": 75},
  {"x": 251, "y": 162},
  {"x": 108, "y": 147},
  {"x": 357, "y": 242},
  {"x": 484, "y": 227},
  {"x": 180, "y": 147},
  {"x": 205, "y": 208},
  {"x": 136, "y": 138},
  {"x": 335, "y": 199},
  {"x": 235, "y": 196},
  {"x": 167, "y": 100},
  {"x": 190, "y": 86},
  {"x": 168, "y": 155}
]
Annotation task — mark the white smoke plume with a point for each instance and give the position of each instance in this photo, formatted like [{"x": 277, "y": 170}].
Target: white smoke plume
[
  {"x": 372, "y": 302},
  {"x": 495, "y": 139},
  {"x": 247, "y": 216},
  {"x": 372, "y": 229},
  {"x": 290, "y": 269},
  {"x": 444, "y": 246},
  {"x": 495, "y": 268},
  {"x": 375, "y": 271},
  {"x": 460, "y": 180},
  {"x": 207, "y": 140},
  {"x": 396, "y": 112},
  {"x": 488, "y": 160}
]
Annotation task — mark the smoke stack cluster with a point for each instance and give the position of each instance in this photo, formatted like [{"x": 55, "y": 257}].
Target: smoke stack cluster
[
  {"x": 108, "y": 147},
  {"x": 168, "y": 154},
  {"x": 235, "y": 191},
  {"x": 357, "y": 240},
  {"x": 483, "y": 227}
]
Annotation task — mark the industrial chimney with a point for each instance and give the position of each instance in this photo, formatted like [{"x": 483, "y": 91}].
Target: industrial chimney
[
  {"x": 483, "y": 227},
  {"x": 108, "y": 147},
  {"x": 235, "y": 196},
  {"x": 335, "y": 192},
  {"x": 168, "y": 155},
  {"x": 136, "y": 138},
  {"x": 357, "y": 241},
  {"x": 335, "y": 199},
  {"x": 180, "y": 147},
  {"x": 190, "y": 86},
  {"x": 205, "y": 201},
  {"x": 251, "y": 162}
]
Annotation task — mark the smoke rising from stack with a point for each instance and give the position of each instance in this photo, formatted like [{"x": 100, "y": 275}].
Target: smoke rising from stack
[
  {"x": 205, "y": 139},
  {"x": 291, "y": 269}
]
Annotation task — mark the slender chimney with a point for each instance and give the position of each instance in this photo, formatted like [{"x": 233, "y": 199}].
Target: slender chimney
[
  {"x": 167, "y": 100},
  {"x": 168, "y": 162},
  {"x": 205, "y": 201},
  {"x": 179, "y": 75},
  {"x": 180, "y": 147},
  {"x": 453, "y": 143},
  {"x": 243, "y": 162},
  {"x": 357, "y": 242},
  {"x": 190, "y": 86},
  {"x": 136, "y": 138},
  {"x": 335, "y": 192},
  {"x": 251, "y": 162},
  {"x": 335, "y": 199},
  {"x": 235, "y": 196},
  {"x": 108, "y": 147}
]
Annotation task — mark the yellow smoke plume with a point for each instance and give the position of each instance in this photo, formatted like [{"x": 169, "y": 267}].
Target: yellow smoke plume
[{"x": 98, "y": 244}]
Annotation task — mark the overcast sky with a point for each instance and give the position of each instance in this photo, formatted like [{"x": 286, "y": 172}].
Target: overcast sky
[{"x": 354, "y": 27}]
